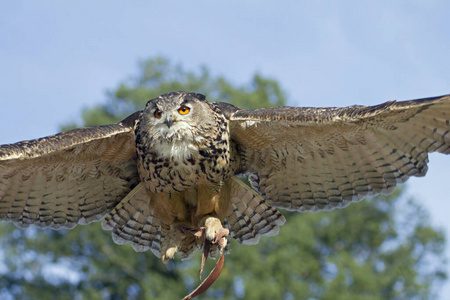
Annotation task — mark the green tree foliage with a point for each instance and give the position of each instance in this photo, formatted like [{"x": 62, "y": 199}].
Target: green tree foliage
[
  {"x": 384, "y": 248},
  {"x": 157, "y": 76}
]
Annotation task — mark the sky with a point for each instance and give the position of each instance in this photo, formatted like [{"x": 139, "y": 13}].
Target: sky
[{"x": 58, "y": 58}]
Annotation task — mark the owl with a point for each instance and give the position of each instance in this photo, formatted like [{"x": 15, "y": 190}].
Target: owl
[{"x": 168, "y": 178}]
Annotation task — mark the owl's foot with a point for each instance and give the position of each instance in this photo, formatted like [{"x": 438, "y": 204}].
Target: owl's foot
[
  {"x": 170, "y": 244},
  {"x": 215, "y": 233}
]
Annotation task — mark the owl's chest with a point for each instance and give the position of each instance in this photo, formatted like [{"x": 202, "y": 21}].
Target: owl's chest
[{"x": 179, "y": 166}]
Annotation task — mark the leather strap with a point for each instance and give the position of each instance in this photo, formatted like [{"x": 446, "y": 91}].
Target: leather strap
[
  {"x": 208, "y": 280},
  {"x": 219, "y": 239}
]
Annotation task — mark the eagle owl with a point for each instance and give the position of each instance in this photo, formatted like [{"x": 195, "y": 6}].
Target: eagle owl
[{"x": 164, "y": 174}]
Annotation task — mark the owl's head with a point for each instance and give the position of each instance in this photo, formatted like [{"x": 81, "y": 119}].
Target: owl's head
[{"x": 176, "y": 115}]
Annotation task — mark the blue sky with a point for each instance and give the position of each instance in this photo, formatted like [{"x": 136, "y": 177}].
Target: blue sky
[{"x": 60, "y": 57}]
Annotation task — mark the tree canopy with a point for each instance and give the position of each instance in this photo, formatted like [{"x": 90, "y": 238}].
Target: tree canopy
[{"x": 383, "y": 248}]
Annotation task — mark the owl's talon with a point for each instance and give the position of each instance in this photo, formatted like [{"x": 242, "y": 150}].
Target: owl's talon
[
  {"x": 221, "y": 238},
  {"x": 214, "y": 230},
  {"x": 170, "y": 244},
  {"x": 222, "y": 242},
  {"x": 213, "y": 233},
  {"x": 169, "y": 254}
]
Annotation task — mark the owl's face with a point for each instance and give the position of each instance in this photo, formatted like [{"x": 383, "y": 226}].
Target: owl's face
[{"x": 176, "y": 116}]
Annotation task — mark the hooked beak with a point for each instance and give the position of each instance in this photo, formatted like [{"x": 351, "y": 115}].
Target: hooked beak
[{"x": 169, "y": 121}]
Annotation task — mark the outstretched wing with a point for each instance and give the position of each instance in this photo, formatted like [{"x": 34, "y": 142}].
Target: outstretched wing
[
  {"x": 309, "y": 159},
  {"x": 70, "y": 178}
]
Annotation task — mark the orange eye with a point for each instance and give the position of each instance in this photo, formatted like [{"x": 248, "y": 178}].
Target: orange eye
[
  {"x": 157, "y": 114},
  {"x": 184, "y": 110}
]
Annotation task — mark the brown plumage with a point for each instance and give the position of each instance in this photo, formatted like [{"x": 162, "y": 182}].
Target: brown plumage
[{"x": 166, "y": 171}]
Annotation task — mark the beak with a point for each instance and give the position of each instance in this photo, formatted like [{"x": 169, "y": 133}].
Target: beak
[{"x": 169, "y": 121}]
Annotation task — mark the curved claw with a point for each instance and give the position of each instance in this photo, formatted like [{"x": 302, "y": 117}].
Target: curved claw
[{"x": 221, "y": 235}]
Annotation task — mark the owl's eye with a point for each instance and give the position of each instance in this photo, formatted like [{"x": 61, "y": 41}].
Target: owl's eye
[
  {"x": 184, "y": 110},
  {"x": 157, "y": 114}
]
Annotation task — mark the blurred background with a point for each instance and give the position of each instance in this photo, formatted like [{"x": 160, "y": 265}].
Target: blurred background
[{"x": 67, "y": 64}]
